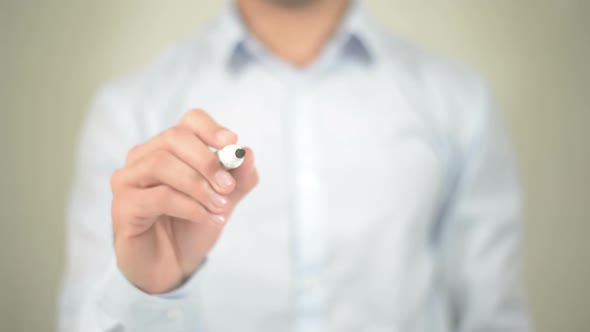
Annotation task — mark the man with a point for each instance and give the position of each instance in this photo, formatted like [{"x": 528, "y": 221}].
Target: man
[{"x": 384, "y": 196}]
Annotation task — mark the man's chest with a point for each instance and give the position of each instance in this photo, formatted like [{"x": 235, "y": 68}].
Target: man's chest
[
  {"x": 350, "y": 177},
  {"x": 359, "y": 157},
  {"x": 366, "y": 154}
]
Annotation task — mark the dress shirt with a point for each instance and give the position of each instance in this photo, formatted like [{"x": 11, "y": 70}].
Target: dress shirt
[{"x": 387, "y": 198}]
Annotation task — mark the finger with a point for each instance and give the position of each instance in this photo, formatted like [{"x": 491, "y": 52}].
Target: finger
[
  {"x": 209, "y": 131},
  {"x": 162, "y": 167},
  {"x": 178, "y": 140},
  {"x": 191, "y": 150},
  {"x": 246, "y": 177},
  {"x": 165, "y": 201}
]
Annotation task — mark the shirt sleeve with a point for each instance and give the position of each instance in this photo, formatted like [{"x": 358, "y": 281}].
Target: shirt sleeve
[
  {"x": 96, "y": 296},
  {"x": 483, "y": 231}
]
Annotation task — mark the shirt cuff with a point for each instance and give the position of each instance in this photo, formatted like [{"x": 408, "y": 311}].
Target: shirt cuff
[{"x": 134, "y": 310}]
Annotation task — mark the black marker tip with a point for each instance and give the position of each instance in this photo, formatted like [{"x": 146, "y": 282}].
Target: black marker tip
[{"x": 240, "y": 153}]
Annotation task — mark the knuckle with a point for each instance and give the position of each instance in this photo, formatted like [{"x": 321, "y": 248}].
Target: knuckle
[
  {"x": 119, "y": 205},
  {"x": 201, "y": 184},
  {"x": 116, "y": 179},
  {"x": 132, "y": 153},
  {"x": 115, "y": 206},
  {"x": 197, "y": 112},
  {"x": 160, "y": 196},
  {"x": 195, "y": 210},
  {"x": 192, "y": 115},
  {"x": 210, "y": 165},
  {"x": 159, "y": 159},
  {"x": 116, "y": 210},
  {"x": 171, "y": 136},
  {"x": 195, "y": 183},
  {"x": 126, "y": 207}
]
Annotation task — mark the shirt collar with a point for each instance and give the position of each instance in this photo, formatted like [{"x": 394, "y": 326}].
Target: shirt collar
[{"x": 235, "y": 44}]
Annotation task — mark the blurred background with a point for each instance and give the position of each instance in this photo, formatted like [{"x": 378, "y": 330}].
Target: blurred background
[{"x": 55, "y": 54}]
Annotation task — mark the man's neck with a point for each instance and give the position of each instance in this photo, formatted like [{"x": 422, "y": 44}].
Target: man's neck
[{"x": 294, "y": 33}]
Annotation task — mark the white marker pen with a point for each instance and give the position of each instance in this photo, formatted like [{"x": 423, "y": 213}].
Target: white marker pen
[{"x": 231, "y": 156}]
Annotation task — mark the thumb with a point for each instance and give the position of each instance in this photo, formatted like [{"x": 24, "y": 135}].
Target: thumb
[{"x": 246, "y": 177}]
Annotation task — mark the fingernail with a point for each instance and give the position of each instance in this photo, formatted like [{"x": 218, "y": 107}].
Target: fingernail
[
  {"x": 218, "y": 218},
  {"x": 218, "y": 200},
  {"x": 225, "y": 136},
  {"x": 224, "y": 179}
]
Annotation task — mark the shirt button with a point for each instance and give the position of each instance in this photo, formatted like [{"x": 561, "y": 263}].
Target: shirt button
[{"x": 174, "y": 313}]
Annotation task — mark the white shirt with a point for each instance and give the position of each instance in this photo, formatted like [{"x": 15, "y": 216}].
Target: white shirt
[{"x": 387, "y": 197}]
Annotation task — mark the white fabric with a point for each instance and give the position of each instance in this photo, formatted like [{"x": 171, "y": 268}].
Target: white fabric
[{"x": 387, "y": 197}]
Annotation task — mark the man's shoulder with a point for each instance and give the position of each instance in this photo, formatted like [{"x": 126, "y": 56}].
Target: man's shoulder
[
  {"x": 452, "y": 95},
  {"x": 171, "y": 67},
  {"x": 429, "y": 69}
]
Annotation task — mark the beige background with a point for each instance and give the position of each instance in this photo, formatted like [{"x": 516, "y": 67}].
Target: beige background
[{"x": 55, "y": 54}]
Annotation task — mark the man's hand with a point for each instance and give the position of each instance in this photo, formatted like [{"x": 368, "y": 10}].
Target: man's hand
[{"x": 171, "y": 201}]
